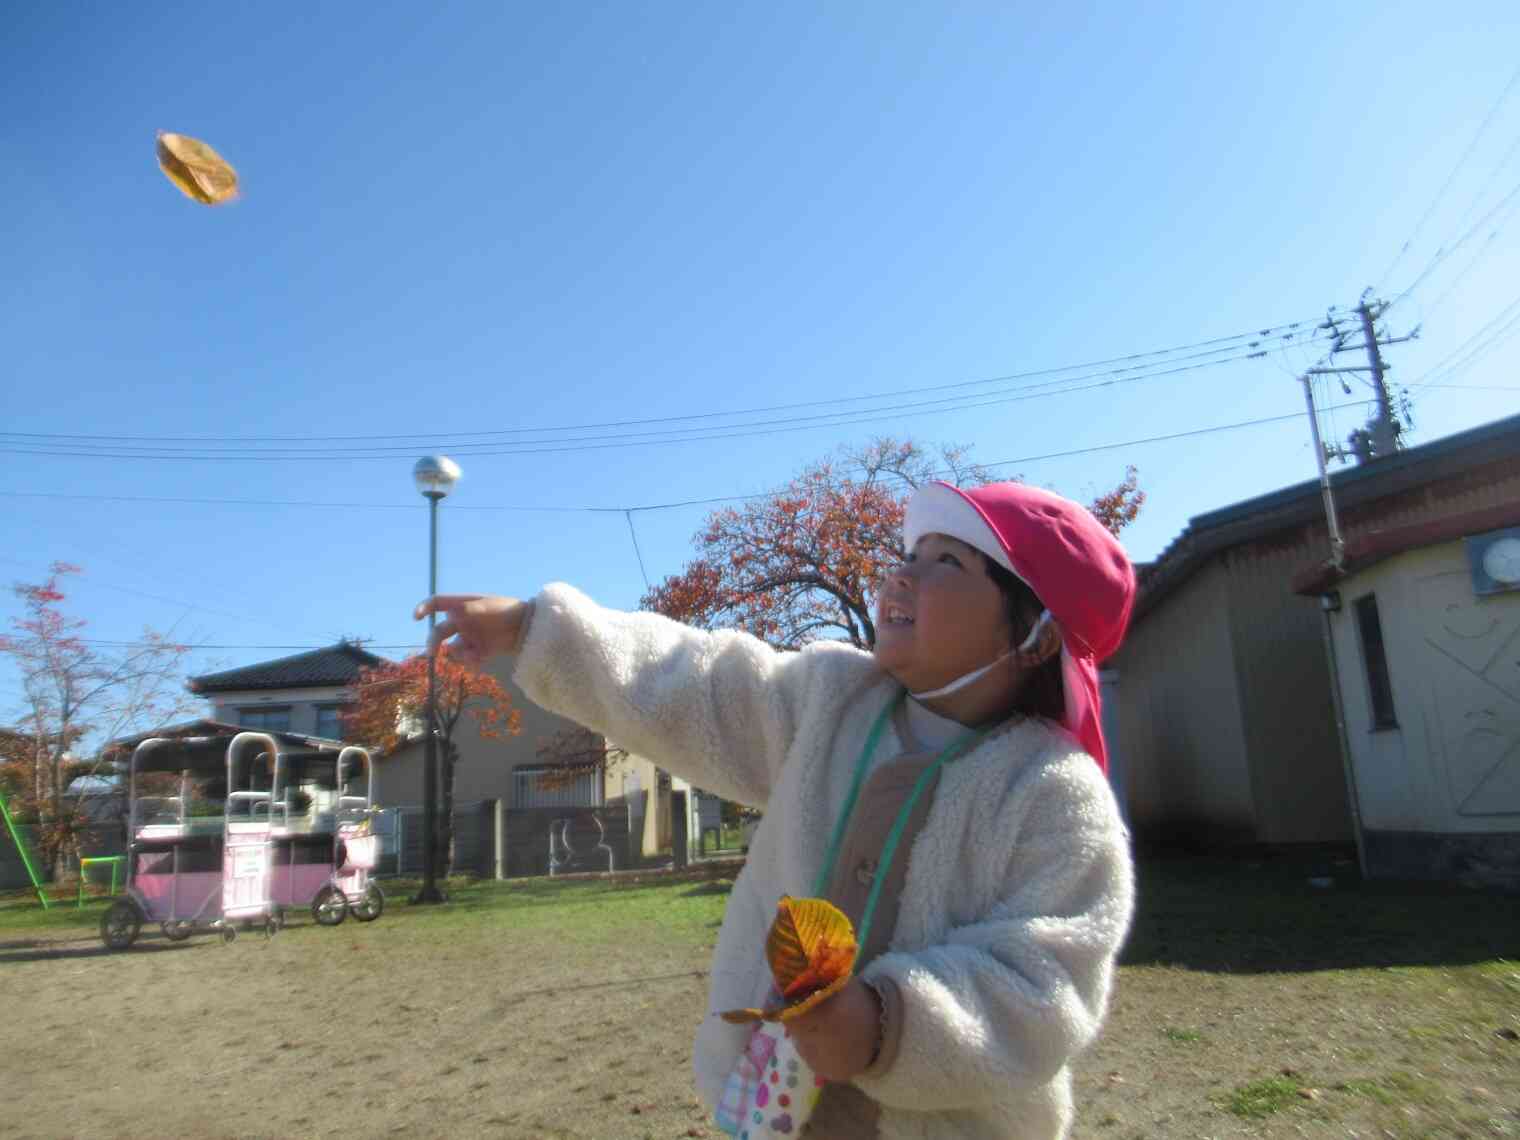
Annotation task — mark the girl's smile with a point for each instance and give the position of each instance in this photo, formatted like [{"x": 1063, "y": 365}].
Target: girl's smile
[{"x": 939, "y": 615}]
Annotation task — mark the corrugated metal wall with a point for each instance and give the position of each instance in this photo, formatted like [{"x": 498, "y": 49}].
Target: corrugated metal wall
[
  {"x": 1297, "y": 778},
  {"x": 1179, "y": 717}
]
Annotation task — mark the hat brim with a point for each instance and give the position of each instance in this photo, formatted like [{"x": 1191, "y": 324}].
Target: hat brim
[{"x": 938, "y": 508}]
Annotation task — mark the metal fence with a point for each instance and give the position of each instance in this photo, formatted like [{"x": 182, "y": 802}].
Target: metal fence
[
  {"x": 534, "y": 788},
  {"x": 96, "y": 840}
]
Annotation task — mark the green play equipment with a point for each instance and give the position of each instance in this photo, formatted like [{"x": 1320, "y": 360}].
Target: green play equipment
[
  {"x": 116, "y": 862},
  {"x": 26, "y": 859}
]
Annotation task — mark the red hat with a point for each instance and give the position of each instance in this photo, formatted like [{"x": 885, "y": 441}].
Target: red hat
[{"x": 1062, "y": 552}]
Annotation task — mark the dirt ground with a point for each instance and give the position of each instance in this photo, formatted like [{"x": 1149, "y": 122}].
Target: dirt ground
[
  {"x": 377, "y": 1030},
  {"x": 511, "y": 1020}
]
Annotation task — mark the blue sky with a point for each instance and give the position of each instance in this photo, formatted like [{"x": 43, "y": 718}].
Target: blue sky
[{"x": 493, "y": 218}]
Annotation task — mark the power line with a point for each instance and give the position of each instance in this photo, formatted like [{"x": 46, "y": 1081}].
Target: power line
[
  {"x": 629, "y": 511},
  {"x": 515, "y": 508},
  {"x": 1470, "y": 347},
  {"x": 414, "y": 440},
  {"x": 1114, "y": 377},
  {"x": 633, "y": 534},
  {"x": 1444, "y": 252},
  {"x": 585, "y": 443},
  {"x": 91, "y": 580},
  {"x": 1446, "y": 185}
]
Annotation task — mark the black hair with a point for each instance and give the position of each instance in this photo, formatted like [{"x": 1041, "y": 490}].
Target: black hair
[{"x": 1042, "y": 693}]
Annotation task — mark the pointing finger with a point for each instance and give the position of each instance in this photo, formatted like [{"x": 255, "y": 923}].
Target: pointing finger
[{"x": 439, "y": 603}]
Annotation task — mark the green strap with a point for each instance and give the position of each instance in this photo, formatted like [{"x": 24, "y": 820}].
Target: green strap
[
  {"x": 900, "y": 825},
  {"x": 849, "y": 804},
  {"x": 957, "y": 748}
]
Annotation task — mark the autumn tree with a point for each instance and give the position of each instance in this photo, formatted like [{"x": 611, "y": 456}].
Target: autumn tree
[
  {"x": 74, "y": 693},
  {"x": 388, "y": 710},
  {"x": 803, "y": 562}
]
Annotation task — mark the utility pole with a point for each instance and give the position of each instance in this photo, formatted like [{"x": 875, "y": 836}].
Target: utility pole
[
  {"x": 1321, "y": 453},
  {"x": 1385, "y": 429},
  {"x": 1380, "y": 437}
]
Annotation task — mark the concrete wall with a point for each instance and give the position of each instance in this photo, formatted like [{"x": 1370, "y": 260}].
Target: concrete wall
[{"x": 1180, "y": 719}]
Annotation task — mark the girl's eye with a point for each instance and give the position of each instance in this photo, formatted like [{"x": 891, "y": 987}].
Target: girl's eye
[
  {"x": 909, "y": 557},
  {"x": 950, "y": 558}
]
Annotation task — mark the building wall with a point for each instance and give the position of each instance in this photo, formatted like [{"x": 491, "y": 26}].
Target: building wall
[
  {"x": 1281, "y": 778},
  {"x": 484, "y": 771},
  {"x": 1298, "y": 781},
  {"x": 227, "y": 707},
  {"x": 1452, "y": 764},
  {"x": 1179, "y": 720}
]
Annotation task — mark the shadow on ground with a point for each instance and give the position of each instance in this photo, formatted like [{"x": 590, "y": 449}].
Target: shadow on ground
[{"x": 1263, "y": 914}]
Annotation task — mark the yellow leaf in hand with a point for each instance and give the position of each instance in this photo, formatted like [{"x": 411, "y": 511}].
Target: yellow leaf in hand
[
  {"x": 196, "y": 169},
  {"x": 811, "y": 950}
]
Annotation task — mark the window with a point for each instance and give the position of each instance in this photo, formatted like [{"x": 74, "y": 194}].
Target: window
[
  {"x": 540, "y": 788},
  {"x": 330, "y": 721},
  {"x": 270, "y": 718},
  {"x": 1379, "y": 688}
]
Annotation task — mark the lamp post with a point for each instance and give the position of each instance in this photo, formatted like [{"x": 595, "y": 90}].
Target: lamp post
[{"x": 435, "y": 476}]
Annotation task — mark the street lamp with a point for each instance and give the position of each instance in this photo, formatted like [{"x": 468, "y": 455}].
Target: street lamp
[{"x": 435, "y": 476}]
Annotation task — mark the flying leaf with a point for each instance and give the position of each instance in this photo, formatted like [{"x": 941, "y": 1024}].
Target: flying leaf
[
  {"x": 196, "y": 169},
  {"x": 811, "y": 950}
]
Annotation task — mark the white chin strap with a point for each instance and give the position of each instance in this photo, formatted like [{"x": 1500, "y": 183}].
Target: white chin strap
[{"x": 960, "y": 683}]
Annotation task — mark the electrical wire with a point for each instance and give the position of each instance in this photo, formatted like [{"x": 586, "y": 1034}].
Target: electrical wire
[
  {"x": 1215, "y": 346},
  {"x": 931, "y": 407},
  {"x": 1444, "y": 252},
  {"x": 286, "y": 503},
  {"x": 1471, "y": 348},
  {"x": 1446, "y": 185}
]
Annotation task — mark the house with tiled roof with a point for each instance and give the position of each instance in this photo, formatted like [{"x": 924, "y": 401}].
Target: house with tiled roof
[
  {"x": 302, "y": 696},
  {"x": 303, "y": 693}
]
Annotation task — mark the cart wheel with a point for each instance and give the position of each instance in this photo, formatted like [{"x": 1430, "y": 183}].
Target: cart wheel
[
  {"x": 177, "y": 931},
  {"x": 371, "y": 905},
  {"x": 229, "y": 933},
  {"x": 120, "y": 924},
  {"x": 329, "y": 907}
]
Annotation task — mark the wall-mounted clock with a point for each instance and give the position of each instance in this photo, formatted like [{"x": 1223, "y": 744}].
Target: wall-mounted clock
[{"x": 1495, "y": 560}]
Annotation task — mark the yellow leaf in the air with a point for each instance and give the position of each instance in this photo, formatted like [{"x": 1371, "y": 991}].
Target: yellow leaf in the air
[{"x": 196, "y": 169}]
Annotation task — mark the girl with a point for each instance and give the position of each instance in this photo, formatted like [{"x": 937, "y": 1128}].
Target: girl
[{"x": 945, "y": 791}]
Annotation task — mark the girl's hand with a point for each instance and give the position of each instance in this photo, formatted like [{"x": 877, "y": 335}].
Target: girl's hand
[
  {"x": 839, "y": 1038},
  {"x": 481, "y": 625}
]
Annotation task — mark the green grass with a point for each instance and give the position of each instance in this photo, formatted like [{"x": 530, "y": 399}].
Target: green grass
[
  {"x": 1182, "y": 1036},
  {"x": 1396, "y": 1088},
  {"x": 588, "y": 910},
  {"x": 1261, "y": 1098}
]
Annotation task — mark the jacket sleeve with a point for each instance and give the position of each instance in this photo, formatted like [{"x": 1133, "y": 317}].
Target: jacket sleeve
[
  {"x": 1006, "y": 1001},
  {"x": 719, "y": 709}
]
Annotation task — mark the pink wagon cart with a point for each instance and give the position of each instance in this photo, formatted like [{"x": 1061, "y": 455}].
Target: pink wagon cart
[
  {"x": 189, "y": 872},
  {"x": 324, "y": 856}
]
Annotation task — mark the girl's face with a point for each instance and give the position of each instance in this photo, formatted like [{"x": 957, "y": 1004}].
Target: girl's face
[{"x": 939, "y": 615}]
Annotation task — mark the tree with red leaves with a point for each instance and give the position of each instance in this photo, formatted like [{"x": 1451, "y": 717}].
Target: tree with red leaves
[
  {"x": 74, "y": 692},
  {"x": 802, "y": 563},
  {"x": 388, "y": 709}
]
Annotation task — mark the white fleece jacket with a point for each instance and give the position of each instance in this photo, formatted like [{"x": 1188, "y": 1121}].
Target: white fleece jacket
[{"x": 1019, "y": 888}]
